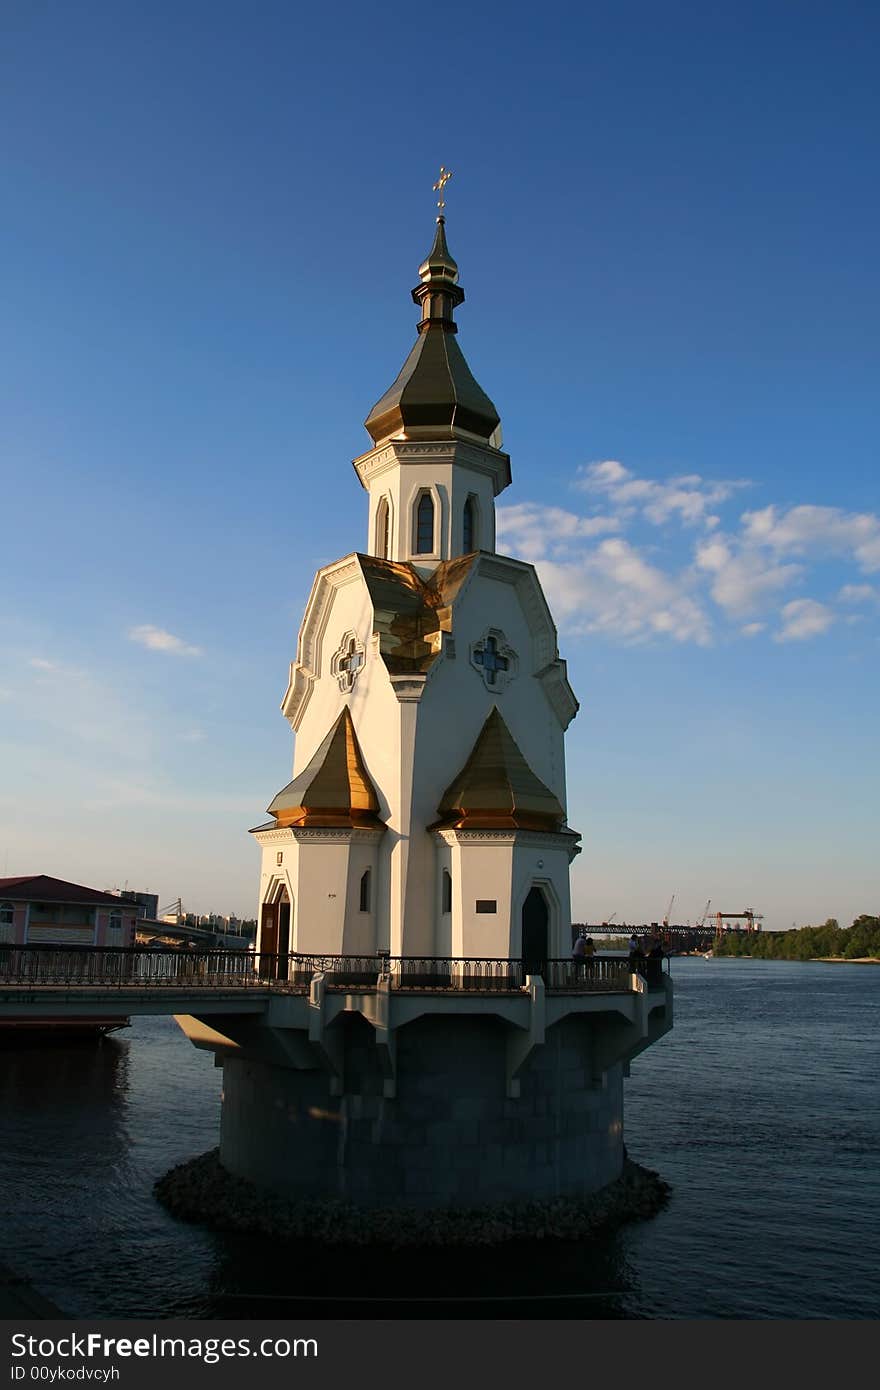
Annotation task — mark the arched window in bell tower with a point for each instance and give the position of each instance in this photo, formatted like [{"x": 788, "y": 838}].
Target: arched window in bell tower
[
  {"x": 470, "y": 528},
  {"x": 424, "y": 525},
  {"x": 383, "y": 529}
]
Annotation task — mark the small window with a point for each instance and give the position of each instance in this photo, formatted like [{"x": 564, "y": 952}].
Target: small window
[
  {"x": 447, "y": 891},
  {"x": 114, "y": 926},
  {"x": 383, "y": 529},
  {"x": 469, "y": 536},
  {"x": 365, "y": 891},
  {"x": 7, "y": 912},
  {"x": 279, "y": 857},
  {"x": 425, "y": 525},
  {"x": 487, "y": 905}
]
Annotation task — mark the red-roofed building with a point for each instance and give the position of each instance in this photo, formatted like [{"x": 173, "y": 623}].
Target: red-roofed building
[{"x": 36, "y": 910}]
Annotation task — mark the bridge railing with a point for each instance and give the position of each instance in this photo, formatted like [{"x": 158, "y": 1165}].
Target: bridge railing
[
  {"x": 114, "y": 965},
  {"x": 590, "y": 973},
  {"x": 237, "y": 969}
]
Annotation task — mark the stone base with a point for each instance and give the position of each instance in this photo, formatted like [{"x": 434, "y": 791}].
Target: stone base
[
  {"x": 203, "y": 1191},
  {"x": 450, "y": 1137}
]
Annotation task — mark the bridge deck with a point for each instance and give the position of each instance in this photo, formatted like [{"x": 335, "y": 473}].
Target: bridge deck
[{"x": 37, "y": 981}]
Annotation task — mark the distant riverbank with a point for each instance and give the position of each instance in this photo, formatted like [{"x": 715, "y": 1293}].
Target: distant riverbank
[
  {"x": 848, "y": 960},
  {"x": 858, "y": 944}
]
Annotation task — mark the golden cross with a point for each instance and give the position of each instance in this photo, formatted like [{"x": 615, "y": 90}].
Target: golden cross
[{"x": 445, "y": 176}]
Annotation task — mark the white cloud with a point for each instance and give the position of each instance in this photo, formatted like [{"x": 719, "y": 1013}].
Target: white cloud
[
  {"x": 614, "y": 590},
  {"x": 803, "y": 618},
  {"x": 40, "y": 663},
  {"x": 741, "y": 580},
  {"x": 859, "y": 593},
  {"x": 686, "y": 498},
  {"x": 611, "y": 571},
  {"x": 817, "y": 531},
  {"x": 156, "y": 639},
  {"x": 534, "y": 531}
]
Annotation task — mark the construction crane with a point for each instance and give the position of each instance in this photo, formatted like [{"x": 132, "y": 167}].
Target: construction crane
[
  {"x": 668, "y": 911},
  {"x": 609, "y": 920},
  {"x": 748, "y": 916},
  {"x": 705, "y": 913}
]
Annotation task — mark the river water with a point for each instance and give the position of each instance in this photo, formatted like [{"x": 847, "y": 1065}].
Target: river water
[{"x": 761, "y": 1109}]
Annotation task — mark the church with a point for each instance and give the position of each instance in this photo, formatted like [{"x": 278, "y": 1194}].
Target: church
[
  {"x": 426, "y": 815},
  {"x": 428, "y": 1036}
]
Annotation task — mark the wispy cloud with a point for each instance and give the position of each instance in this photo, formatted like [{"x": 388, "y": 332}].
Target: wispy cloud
[
  {"x": 803, "y": 618},
  {"x": 741, "y": 582},
  {"x": 818, "y": 531},
  {"x": 687, "y": 498},
  {"x": 615, "y": 570},
  {"x": 859, "y": 593},
  {"x": 156, "y": 639},
  {"x": 614, "y": 590},
  {"x": 535, "y": 531}
]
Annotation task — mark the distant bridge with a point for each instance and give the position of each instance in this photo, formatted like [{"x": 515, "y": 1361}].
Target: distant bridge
[
  {"x": 149, "y": 929},
  {"x": 674, "y": 937}
]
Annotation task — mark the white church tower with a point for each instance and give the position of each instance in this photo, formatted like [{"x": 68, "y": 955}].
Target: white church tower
[
  {"x": 426, "y": 816},
  {"x": 424, "y": 1037}
]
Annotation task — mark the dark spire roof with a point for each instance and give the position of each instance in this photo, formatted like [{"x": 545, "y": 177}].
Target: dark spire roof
[{"x": 435, "y": 396}]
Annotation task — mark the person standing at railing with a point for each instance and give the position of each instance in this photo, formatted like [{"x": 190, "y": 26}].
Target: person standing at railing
[
  {"x": 579, "y": 954},
  {"x": 654, "y": 962},
  {"x": 589, "y": 953},
  {"x": 635, "y": 955}
]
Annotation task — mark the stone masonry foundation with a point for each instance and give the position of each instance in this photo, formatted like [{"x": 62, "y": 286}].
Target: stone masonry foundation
[{"x": 449, "y": 1136}]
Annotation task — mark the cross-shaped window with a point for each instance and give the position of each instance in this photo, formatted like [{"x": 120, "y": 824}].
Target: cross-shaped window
[
  {"x": 353, "y": 659},
  {"x": 491, "y": 660}
]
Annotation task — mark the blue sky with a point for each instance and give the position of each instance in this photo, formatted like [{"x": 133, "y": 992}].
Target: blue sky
[{"x": 666, "y": 219}]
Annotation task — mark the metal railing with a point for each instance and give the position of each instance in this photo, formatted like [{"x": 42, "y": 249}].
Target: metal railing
[
  {"x": 591, "y": 973},
  {"x": 132, "y": 967},
  {"x": 236, "y": 969}
]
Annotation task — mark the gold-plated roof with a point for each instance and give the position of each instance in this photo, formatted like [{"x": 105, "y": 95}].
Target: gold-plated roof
[
  {"x": 412, "y": 613},
  {"x": 435, "y": 395},
  {"x": 335, "y": 787},
  {"x": 496, "y": 788}
]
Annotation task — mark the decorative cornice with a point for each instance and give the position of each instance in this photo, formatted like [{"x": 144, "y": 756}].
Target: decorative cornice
[
  {"x": 305, "y": 670},
  {"x": 271, "y": 836},
  {"x": 531, "y": 839},
  {"x": 342, "y": 835},
  {"x": 554, "y": 683},
  {"x": 491, "y": 462},
  {"x": 408, "y": 688}
]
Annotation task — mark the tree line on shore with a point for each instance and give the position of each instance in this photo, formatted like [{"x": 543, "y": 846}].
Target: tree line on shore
[{"x": 806, "y": 943}]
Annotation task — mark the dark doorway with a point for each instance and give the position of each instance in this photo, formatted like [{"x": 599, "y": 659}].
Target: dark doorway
[
  {"x": 535, "y": 918},
  {"x": 283, "y": 935},
  {"x": 268, "y": 940}
]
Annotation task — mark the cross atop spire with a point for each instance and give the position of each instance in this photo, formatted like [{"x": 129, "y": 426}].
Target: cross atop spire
[{"x": 440, "y": 185}]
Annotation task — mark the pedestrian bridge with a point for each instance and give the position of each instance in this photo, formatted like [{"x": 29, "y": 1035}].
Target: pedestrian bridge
[{"x": 42, "y": 981}]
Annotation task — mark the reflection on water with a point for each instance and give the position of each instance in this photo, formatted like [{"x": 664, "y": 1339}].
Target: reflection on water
[{"x": 759, "y": 1107}]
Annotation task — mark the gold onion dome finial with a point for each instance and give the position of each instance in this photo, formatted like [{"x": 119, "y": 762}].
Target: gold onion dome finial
[{"x": 435, "y": 395}]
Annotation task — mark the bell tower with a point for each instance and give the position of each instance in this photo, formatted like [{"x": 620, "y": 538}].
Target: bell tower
[{"x": 436, "y": 465}]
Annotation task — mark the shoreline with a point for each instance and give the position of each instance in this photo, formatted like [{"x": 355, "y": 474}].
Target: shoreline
[
  {"x": 202, "y": 1191},
  {"x": 808, "y": 960},
  {"x": 848, "y": 960}
]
